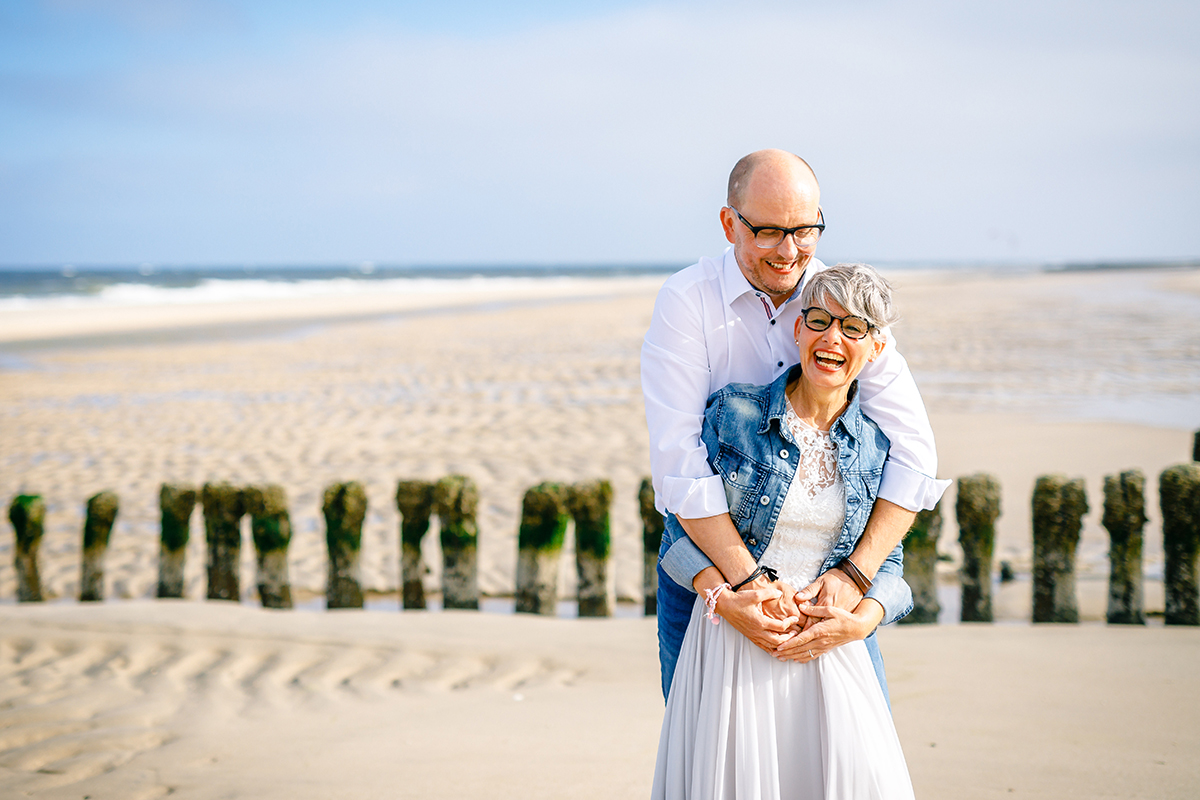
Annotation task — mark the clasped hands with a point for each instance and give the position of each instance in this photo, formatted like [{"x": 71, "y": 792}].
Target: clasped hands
[{"x": 801, "y": 625}]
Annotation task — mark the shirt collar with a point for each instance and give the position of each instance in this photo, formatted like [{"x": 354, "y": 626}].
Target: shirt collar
[{"x": 735, "y": 285}]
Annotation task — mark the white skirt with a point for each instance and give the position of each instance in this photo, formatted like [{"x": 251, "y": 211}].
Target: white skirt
[{"x": 742, "y": 724}]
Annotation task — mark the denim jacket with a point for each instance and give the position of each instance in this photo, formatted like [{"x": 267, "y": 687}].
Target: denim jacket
[{"x": 752, "y": 450}]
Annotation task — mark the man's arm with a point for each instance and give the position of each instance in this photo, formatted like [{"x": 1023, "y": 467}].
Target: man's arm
[
  {"x": 889, "y": 396},
  {"x": 885, "y": 529},
  {"x": 675, "y": 384}
]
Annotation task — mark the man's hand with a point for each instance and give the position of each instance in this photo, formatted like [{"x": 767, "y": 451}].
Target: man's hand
[
  {"x": 832, "y": 589},
  {"x": 832, "y": 627}
]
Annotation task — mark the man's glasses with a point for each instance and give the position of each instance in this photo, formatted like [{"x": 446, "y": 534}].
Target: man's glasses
[
  {"x": 767, "y": 237},
  {"x": 818, "y": 319}
]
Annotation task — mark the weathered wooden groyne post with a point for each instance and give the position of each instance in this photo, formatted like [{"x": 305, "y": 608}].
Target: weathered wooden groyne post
[
  {"x": 224, "y": 507},
  {"x": 414, "y": 500},
  {"x": 97, "y": 527},
  {"x": 590, "y": 504},
  {"x": 271, "y": 532},
  {"x": 1196, "y": 446},
  {"x": 1124, "y": 519},
  {"x": 1179, "y": 499},
  {"x": 920, "y": 565},
  {"x": 177, "y": 503},
  {"x": 27, "y": 513},
  {"x": 977, "y": 508},
  {"x": 653, "y": 525},
  {"x": 539, "y": 546},
  {"x": 1059, "y": 504},
  {"x": 456, "y": 502},
  {"x": 345, "y": 508}
]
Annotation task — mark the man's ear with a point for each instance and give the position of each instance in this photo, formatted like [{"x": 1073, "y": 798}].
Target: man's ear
[{"x": 728, "y": 221}]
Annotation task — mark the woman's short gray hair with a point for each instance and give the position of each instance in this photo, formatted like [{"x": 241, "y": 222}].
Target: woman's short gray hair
[{"x": 858, "y": 288}]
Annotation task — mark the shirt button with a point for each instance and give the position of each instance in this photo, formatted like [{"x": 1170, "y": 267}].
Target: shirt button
[
  {"x": 772, "y": 322},
  {"x": 780, "y": 364},
  {"x": 765, "y": 500},
  {"x": 752, "y": 541},
  {"x": 783, "y": 454}
]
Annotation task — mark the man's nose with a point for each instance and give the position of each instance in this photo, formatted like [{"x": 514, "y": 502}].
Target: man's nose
[{"x": 787, "y": 248}]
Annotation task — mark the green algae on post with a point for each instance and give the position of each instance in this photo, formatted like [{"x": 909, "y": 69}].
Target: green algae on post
[
  {"x": 97, "y": 527},
  {"x": 27, "y": 513},
  {"x": 456, "y": 502},
  {"x": 977, "y": 508},
  {"x": 653, "y": 525},
  {"x": 1179, "y": 498},
  {"x": 414, "y": 500},
  {"x": 540, "y": 540},
  {"x": 271, "y": 532},
  {"x": 224, "y": 507},
  {"x": 1124, "y": 518},
  {"x": 920, "y": 566},
  {"x": 345, "y": 508},
  {"x": 177, "y": 502},
  {"x": 1059, "y": 504},
  {"x": 590, "y": 504}
]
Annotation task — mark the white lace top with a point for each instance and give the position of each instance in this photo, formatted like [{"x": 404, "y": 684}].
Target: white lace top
[{"x": 813, "y": 510}]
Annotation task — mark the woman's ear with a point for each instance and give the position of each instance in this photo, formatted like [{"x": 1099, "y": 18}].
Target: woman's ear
[{"x": 877, "y": 349}]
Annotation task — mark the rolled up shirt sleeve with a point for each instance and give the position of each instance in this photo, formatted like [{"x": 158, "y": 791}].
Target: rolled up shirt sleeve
[
  {"x": 890, "y": 397},
  {"x": 675, "y": 384}
]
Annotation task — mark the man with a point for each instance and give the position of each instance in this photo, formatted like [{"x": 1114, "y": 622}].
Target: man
[{"x": 731, "y": 319}]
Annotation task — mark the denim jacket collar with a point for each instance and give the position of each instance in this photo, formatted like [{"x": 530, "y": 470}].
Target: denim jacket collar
[{"x": 850, "y": 421}]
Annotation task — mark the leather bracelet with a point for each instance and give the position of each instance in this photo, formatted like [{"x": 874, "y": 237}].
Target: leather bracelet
[
  {"x": 762, "y": 570},
  {"x": 855, "y": 574}
]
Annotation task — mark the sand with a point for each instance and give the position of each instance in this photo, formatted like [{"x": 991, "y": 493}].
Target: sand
[{"x": 136, "y": 697}]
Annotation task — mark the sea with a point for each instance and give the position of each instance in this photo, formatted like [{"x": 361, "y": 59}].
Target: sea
[{"x": 1110, "y": 356}]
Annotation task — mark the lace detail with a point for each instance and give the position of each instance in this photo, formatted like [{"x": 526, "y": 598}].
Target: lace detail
[{"x": 813, "y": 511}]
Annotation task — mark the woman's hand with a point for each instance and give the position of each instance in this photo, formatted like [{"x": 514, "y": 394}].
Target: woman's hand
[
  {"x": 786, "y": 606},
  {"x": 832, "y": 627}
]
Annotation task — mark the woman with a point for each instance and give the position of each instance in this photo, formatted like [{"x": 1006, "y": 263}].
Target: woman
[{"x": 744, "y": 723}]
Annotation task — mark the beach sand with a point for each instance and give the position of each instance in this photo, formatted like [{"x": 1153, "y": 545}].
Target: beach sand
[{"x": 1023, "y": 374}]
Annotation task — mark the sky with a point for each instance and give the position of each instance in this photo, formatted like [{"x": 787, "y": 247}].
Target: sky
[{"x": 271, "y": 132}]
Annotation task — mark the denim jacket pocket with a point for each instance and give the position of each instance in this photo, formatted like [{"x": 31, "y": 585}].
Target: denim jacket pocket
[{"x": 744, "y": 481}]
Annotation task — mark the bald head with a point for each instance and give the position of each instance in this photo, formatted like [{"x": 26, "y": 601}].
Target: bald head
[{"x": 774, "y": 166}]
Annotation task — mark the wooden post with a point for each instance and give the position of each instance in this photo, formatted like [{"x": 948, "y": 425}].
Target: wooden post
[
  {"x": 27, "y": 513},
  {"x": 920, "y": 566},
  {"x": 539, "y": 544},
  {"x": 977, "y": 507},
  {"x": 345, "y": 508},
  {"x": 456, "y": 501},
  {"x": 271, "y": 531},
  {"x": 176, "y": 502},
  {"x": 224, "y": 507},
  {"x": 1124, "y": 518},
  {"x": 591, "y": 506},
  {"x": 97, "y": 527},
  {"x": 1196, "y": 446},
  {"x": 1058, "y": 508},
  {"x": 414, "y": 500},
  {"x": 652, "y": 533},
  {"x": 1179, "y": 498}
]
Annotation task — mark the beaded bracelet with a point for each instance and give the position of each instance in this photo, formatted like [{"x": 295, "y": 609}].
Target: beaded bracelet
[{"x": 710, "y": 602}]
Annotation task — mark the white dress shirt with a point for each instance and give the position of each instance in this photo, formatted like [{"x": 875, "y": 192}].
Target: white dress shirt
[{"x": 711, "y": 328}]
